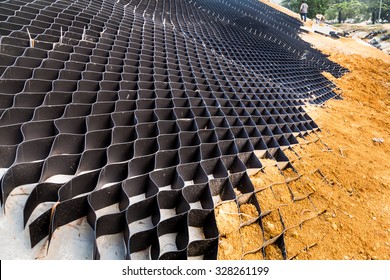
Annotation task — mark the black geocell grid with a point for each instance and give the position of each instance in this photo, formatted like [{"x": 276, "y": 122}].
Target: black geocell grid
[{"x": 158, "y": 107}]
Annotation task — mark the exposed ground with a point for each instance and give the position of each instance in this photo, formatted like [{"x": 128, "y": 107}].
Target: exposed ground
[{"x": 336, "y": 203}]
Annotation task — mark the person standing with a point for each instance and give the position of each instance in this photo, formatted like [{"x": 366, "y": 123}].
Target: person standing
[{"x": 303, "y": 10}]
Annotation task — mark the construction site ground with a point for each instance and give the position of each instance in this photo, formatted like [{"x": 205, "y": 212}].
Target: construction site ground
[
  {"x": 331, "y": 203},
  {"x": 334, "y": 202}
]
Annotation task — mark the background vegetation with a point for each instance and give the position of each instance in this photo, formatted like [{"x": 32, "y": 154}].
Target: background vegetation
[{"x": 344, "y": 10}]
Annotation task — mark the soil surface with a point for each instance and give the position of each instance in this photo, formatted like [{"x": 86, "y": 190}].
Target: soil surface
[{"x": 333, "y": 201}]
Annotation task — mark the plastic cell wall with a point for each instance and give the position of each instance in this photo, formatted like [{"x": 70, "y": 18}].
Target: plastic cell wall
[{"x": 156, "y": 107}]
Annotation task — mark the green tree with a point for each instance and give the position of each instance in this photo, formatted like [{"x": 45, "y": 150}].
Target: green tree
[
  {"x": 343, "y": 9},
  {"x": 373, "y": 6},
  {"x": 354, "y": 9}
]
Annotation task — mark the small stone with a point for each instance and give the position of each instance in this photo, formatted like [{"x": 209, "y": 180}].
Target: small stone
[
  {"x": 374, "y": 218},
  {"x": 378, "y": 140},
  {"x": 270, "y": 226},
  {"x": 374, "y": 257},
  {"x": 328, "y": 216},
  {"x": 334, "y": 226}
]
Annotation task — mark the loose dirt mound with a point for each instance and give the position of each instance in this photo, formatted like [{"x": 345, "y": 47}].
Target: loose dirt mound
[{"x": 357, "y": 208}]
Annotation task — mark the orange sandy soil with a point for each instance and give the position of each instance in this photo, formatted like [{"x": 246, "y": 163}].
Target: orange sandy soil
[{"x": 334, "y": 200}]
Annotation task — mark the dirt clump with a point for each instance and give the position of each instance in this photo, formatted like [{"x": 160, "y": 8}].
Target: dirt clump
[
  {"x": 227, "y": 218},
  {"x": 273, "y": 252}
]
